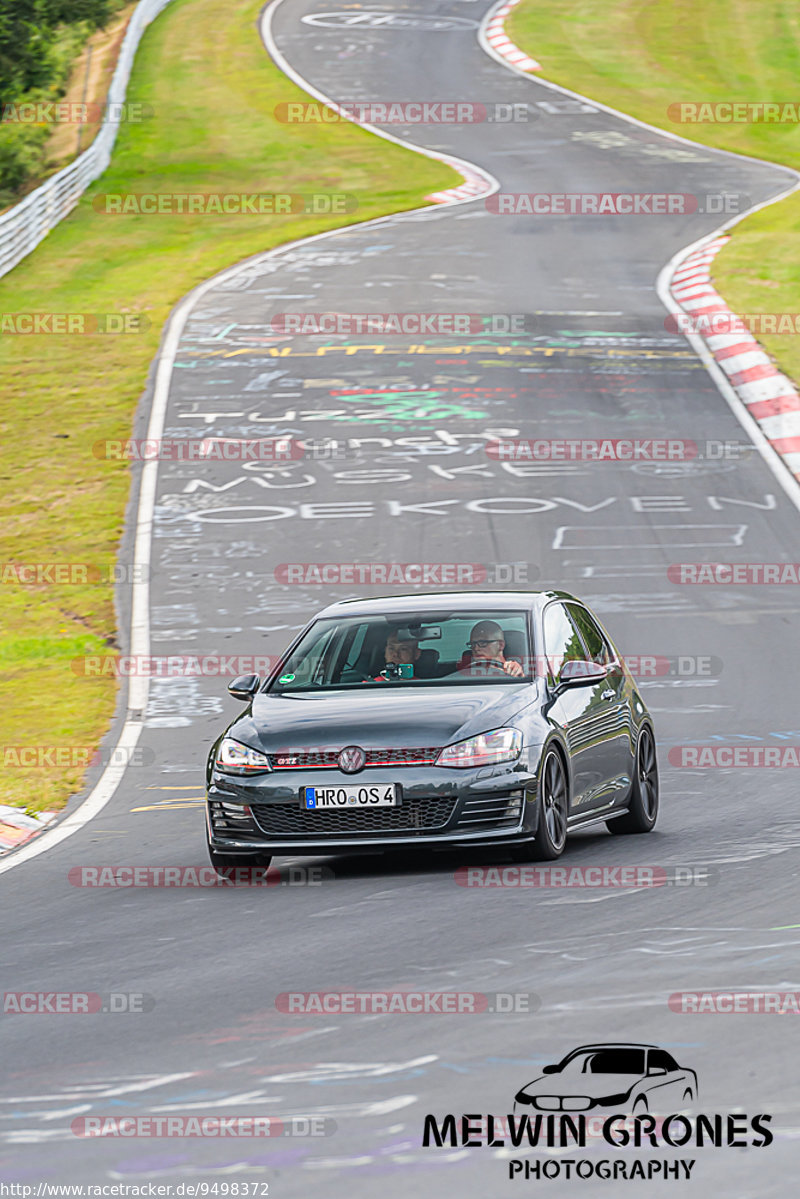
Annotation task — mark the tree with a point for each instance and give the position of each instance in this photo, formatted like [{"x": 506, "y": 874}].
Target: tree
[{"x": 27, "y": 35}]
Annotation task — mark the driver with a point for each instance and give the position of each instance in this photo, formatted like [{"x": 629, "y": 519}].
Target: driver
[{"x": 487, "y": 644}]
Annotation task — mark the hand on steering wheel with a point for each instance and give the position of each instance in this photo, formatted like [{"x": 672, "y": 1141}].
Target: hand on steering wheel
[{"x": 480, "y": 666}]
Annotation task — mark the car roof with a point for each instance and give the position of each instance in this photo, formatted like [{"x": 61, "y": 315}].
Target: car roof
[
  {"x": 612, "y": 1045},
  {"x": 443, "y": 601}
]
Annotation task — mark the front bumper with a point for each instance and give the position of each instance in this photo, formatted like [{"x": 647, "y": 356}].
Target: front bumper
[{"x": 439, "y": 807}]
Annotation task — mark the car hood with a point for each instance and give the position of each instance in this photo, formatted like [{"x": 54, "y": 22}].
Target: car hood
[
  {"x": 574, "y": 1082},
  {"x": 377, "y": 719}
]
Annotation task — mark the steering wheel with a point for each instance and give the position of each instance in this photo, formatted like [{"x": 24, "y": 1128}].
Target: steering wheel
[
  {"x": 484, "y": 666},
  {"x": 362, "y": 677}
]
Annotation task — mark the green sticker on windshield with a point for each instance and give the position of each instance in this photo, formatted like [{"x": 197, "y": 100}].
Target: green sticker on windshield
[{"x": 286, "y": 678}]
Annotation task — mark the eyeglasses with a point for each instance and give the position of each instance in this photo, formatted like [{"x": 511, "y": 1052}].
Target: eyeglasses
[{"x": 483, "y": 644}]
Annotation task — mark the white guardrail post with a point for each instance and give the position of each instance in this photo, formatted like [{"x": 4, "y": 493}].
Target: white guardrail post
[{"x": 27, "y": 223}]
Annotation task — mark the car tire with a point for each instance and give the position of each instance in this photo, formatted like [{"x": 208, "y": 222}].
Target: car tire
[
  {"x": 224, "y": 863},
  {"x": 640, "y": 1106},
  {"x": 551, "y": 834},
  {"x": 643, "y": 803}
]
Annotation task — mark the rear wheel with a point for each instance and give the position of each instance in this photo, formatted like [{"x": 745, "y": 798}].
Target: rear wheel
[
  {"x": 551, "y": 834},
  {"x": 643, "y": 808}
]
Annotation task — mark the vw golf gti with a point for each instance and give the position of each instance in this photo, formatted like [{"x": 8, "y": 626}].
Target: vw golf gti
[{"x": 448, "y": 720}]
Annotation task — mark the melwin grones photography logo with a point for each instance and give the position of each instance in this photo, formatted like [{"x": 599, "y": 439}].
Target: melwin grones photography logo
[{"x": 621, "y": 1095}]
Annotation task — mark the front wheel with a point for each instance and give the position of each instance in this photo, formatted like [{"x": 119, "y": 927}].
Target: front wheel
[
  {"x": 643, "y": 808},
  {"x": 551, "y": 834}
]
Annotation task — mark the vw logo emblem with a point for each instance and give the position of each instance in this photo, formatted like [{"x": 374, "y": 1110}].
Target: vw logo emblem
[{"x": 352, "y": 759}]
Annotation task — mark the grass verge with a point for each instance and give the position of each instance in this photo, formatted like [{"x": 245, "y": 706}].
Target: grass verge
[
  {"x": 643, "y": 57},
  {"x": 213, "y": 89}
]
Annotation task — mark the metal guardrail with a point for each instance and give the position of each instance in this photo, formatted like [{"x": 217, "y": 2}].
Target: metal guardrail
[{"x": 29, "y": 222}]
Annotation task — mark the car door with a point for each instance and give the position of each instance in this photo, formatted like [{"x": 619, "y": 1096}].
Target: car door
[
  {"x": 665, "y": 1082},
  {"x": 579, "y": 712},
  {"x": 613, "y": 719}
]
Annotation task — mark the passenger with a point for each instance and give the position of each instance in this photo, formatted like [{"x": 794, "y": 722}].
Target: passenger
[
  {"x": 402, "y": 653},
  {"x": 487, "y": 645},
  {"x": 398, "y": 653}
]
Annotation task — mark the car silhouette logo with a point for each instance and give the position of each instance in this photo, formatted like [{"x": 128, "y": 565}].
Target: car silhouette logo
[
  {"x": 352, "y": 759},
  {"x": 620, "y": 1077}
]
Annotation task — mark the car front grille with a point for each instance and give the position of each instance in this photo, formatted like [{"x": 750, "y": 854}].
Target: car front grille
[
  {"x": 499, "y": 811},
  {"x": 562, "y": 1103},
  {"x": 290, "y": 760},
  {"x": 413, "y": 816}
]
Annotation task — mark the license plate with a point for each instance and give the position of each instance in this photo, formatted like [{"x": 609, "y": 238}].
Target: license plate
[{"x": 379, "y": 795}]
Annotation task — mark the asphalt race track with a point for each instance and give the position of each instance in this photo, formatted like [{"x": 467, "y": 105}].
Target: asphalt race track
[{"x": 411, "y": 482}]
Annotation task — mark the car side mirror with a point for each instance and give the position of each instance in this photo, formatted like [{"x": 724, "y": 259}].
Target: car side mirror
[
  {"x": 244, "y": 686},
  {"x": 577, "y": 673},
  {"x": 550, "y": 1070},
  {"x": 657, "y": 1070}
]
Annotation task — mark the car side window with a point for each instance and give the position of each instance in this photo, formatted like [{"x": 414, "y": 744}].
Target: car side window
[
  {"x": 561, "y": 640},
  {"x": 661, "y": 1060},
  {"x": 597, "y": 647}
]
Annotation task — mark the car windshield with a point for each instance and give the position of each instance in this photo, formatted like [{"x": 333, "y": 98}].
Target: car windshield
[{"x": 417, "y": 649}]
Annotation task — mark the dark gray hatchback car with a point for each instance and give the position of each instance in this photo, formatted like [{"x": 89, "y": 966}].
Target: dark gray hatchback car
[{"x": 446, "y": 720}]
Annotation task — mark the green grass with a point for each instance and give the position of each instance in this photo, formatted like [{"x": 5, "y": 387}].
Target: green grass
[
  {"x": 213, "y": 89},
  {"x": 641, "y": 56}
]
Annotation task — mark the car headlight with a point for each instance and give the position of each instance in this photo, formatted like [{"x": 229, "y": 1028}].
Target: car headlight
[
  {"x": 235, "y": 758},
  {"x": 501, "y": 745}
]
